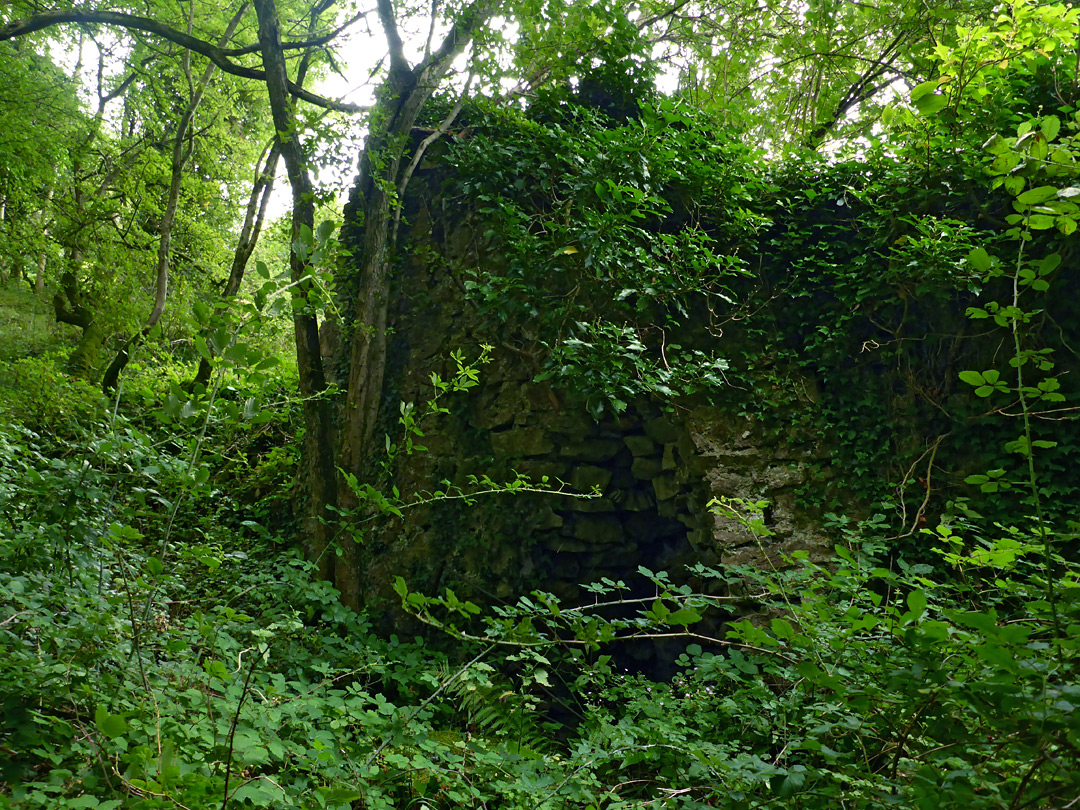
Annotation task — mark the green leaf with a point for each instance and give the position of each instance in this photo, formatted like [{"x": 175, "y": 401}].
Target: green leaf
[
  {"x": 980, "y": 259},
  {"x": 1049, "y": 264},
  {"x": 111, "y": 725},
  {"x": 782, "y": 628},
  {"x": 931, "y": 105},
  {"x": 1039, "y": 148},
  {"x": 916, "y": 601},
  {"x": 1051, "y": 125},
  {"x": 972, "y": 378},
  {"x": 1037, "y": 195},
  {"x": 341, "y": 795},
  {"x": 684, "y": 617},
  {"x": 924, "y": 89},
  {"x": 809, "y": 670},
  {"x": 1014, "y": 184}
]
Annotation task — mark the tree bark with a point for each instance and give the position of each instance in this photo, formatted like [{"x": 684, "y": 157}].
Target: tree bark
[
  {"x": 69, "y": 306},
  {"x": 319, "y": 473},
  {"x": 381, "y": 168},
  {"x": 254, "y": 217},
  {"x": 43, "y": 254},
  {"x": 404, "y": 95}
]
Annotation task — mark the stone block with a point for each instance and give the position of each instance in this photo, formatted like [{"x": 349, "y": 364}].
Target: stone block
[
  {"x": 665, "y": 488},
  {"x": 787, "y": 476},
  {"x": 688, "y": 520},
  {"x": 668, "y": 461},
  {"x": 498, "y": 411},
  {"x": 640, "y": 445},
  {"x": 541, "y": 398},
  {"x": 547, "y": 519},
  {"x": 645, "y": 469},
  {"x": 637, "y": 500},
  {"x": 567, "y": 544},
  {"x": 590, "y": 505},
  {"x": 593, "y": 450},
  {"x": 599, "y": 530},
  {"x": 529, "y": 441},
  {"x": 646, "y": 528},
  {"x": 587, "y": 477},
  {"x": 698, "y": 539},
  {"x": 662, "y": 430}
]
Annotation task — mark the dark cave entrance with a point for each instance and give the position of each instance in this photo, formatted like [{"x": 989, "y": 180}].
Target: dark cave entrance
[{"x": 650, "y": 513}]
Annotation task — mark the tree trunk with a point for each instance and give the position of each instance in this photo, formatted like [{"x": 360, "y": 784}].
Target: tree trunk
[
  {"x": 383, "y": 175},
  {"x": 43, "y": 254},
  {"x": 70, "y": 308},
  {"x": 319, "y": 475},
  {"x": 3, "y": 258},
  {"x": 258, "y": 201}
]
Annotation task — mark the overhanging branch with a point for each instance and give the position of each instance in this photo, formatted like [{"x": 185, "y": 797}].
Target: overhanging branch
[{"x": 218, "y": 56}]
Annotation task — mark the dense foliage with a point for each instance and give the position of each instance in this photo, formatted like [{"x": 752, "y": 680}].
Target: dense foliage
[{"x": 166, "y": 640}]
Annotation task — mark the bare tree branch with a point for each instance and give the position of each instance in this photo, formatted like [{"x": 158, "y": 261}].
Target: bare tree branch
[{"x": 398, "y": 63}]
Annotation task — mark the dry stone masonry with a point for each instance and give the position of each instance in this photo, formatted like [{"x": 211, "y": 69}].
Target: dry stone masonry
[{"x": 652, "y": 472}]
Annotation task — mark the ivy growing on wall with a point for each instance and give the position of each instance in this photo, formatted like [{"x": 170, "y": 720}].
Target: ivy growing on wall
[{"x": 654, "y": 257}]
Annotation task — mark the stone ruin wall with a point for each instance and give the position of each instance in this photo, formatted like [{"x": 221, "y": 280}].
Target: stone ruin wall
[{"x": 656, "y": 467}]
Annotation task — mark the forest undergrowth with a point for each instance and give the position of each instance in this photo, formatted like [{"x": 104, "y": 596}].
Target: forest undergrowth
[
  {"x": 165, "y": 644},
  {"x": 164, "y": 648}
]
